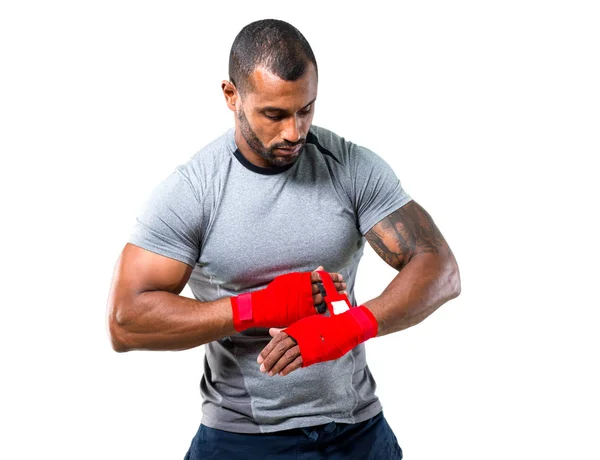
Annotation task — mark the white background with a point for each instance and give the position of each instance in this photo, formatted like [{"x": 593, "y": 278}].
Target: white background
[{"x": 489, "y": 112}]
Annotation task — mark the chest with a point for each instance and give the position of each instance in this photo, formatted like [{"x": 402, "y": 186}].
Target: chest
[{"x": 264, "y": 226}]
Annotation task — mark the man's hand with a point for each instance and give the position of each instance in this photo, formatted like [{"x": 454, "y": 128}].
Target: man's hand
[
  {"x": 281, "y": 355},
  {"x": 316, "y": 339},
  {"x": 285, "y": 300}
]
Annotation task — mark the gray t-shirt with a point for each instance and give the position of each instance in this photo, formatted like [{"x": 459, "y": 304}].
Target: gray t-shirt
[{"x": 240, "y": 226}]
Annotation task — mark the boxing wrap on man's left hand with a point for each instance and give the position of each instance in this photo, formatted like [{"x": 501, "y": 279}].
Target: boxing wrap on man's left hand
[
  {"x": 285, "y": 300},
  {"x": 323, "y": 338}
]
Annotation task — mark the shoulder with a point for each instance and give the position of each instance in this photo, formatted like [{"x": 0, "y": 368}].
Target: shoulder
[
  {"x": 341, "y": 150},
  {"x": 209, "y": 163},
  {"x": 328, "y": 143}
]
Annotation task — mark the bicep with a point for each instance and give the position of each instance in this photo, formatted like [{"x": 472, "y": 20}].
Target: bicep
[{"x": 404, "y": 233}]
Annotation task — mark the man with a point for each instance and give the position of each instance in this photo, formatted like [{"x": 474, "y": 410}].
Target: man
[{"x": 245, "y": 222}]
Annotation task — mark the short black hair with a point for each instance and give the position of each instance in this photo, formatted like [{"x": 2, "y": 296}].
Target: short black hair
[{"x": 272, "y": 44}]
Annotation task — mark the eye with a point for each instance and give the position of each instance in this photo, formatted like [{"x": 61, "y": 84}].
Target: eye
[
  {"x": 306, "y": 111},
  {"x": 273, "y": 117}
]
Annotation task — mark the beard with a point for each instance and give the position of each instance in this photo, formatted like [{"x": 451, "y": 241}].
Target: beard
[{"x": 261, "y": 149}]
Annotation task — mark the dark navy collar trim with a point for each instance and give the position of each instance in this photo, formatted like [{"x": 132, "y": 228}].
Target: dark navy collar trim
[{"x": 257, "y": 169}]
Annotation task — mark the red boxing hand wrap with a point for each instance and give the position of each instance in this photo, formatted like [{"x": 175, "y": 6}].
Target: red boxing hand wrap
[
  {"x": 336, "y": 302},
  {"x": 323, "y": 338},
  {"x": 285, "y": 300}
]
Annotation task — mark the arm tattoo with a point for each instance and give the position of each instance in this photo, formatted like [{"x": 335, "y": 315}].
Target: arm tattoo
[{"x": 406, "y": 232}]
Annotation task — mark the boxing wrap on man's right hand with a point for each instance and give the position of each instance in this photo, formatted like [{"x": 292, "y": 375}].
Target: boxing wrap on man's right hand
[{"x": 285, "y": 300}]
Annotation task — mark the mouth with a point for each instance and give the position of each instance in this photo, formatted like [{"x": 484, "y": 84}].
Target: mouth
[{"x": 290, "y": 151}]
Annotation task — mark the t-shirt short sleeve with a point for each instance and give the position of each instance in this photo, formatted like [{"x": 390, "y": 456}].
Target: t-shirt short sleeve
[
  {"x": 377, "y": 189},
  {"x": 169, "y": 223}
]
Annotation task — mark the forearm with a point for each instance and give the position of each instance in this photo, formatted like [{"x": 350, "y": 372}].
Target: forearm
[
  {"x": 160, "y": 320},
  {"x": 424, "y": 284}
]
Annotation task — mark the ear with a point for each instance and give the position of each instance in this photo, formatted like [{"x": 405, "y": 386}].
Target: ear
[{"x": 230, "y": 93}]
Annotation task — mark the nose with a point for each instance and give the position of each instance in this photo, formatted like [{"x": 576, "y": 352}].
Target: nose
[{"x": 291, "y": 130}]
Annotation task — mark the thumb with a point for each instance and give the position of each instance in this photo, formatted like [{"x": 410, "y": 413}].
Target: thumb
[
  {"x": 320, "y": 267},
  {"x": 274, "y": 331}
]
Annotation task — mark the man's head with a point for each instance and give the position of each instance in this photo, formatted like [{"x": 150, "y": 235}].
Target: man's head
[{"x": 272, "y": 89}]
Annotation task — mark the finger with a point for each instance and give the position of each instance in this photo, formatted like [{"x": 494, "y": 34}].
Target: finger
[
  {"x": 274, "y": 331},
  {"x": 287, "y": 358},
  {"x": 318, "y": 291},
  {"x": 320, "y": 267},
  {"x": 335, "y": 277},
  {"x": 319, "y": 295},
  {"x": 296, "y": 364},
  {"x": 339, "y": 286},
  {"x": 284, "y": 343},
  {"x": 270, "y": 347}
]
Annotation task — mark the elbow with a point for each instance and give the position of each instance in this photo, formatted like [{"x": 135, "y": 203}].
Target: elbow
[
  {"x": 117, "y": 336},
  {"x": 454, "y": 284},
  {"x": 455, "y": 287},
  {"x": 117, "y": 331},
  {"x": 118, "y": 345}
]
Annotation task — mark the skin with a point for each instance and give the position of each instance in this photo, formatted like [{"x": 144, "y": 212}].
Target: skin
[
  {"x": 428, "y": 276},
  {"x": 273, "y": 118},
  {"x": 407, "y": 239},
  {"x": 146, "y": 312}
]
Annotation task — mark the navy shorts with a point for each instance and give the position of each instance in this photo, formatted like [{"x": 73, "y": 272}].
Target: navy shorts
[{"x": 372, "y": 439}]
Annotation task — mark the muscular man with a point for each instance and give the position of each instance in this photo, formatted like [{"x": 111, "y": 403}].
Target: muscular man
[{"x": 245, "y": 222}]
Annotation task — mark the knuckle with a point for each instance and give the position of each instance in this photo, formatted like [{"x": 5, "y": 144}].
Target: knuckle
[
  {"x": 275, "y": 369},
  {"x": 290, "y": 355}
]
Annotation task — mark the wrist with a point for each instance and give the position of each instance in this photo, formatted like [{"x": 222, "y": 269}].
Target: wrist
[
  {"x": 241, "y": 307},
  {"x": 366, "y": 321}
]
